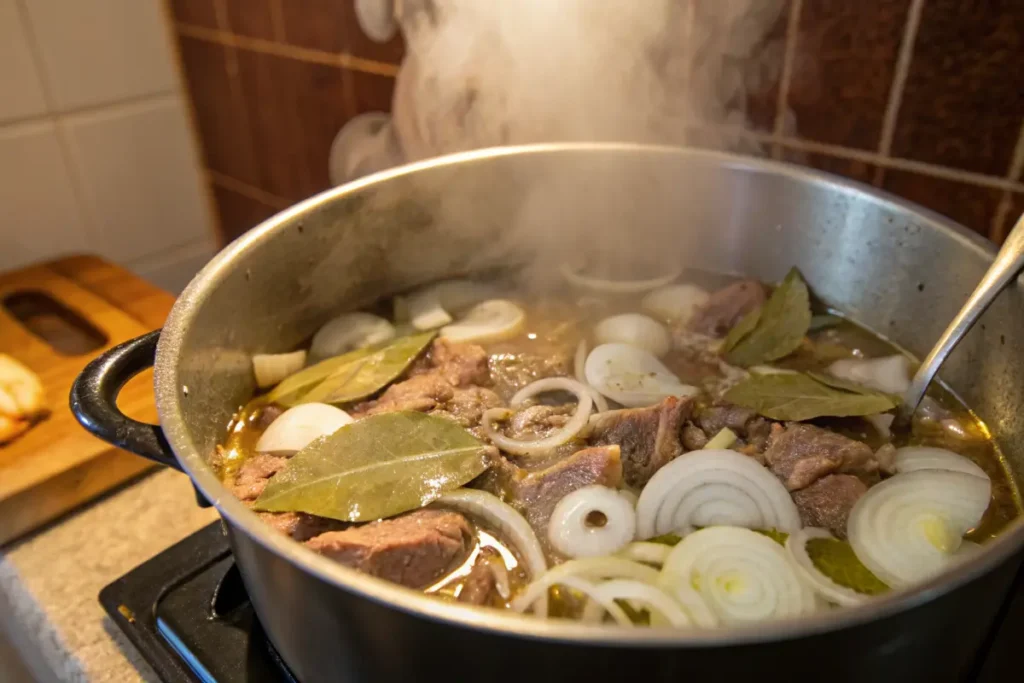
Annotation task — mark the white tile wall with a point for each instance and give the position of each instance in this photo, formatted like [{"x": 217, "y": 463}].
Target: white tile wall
[
  {"x": 22, "y": 92},
  {"x": 101, "y": 51},
  {"x": 96, "y": 154},
  {"x": 40, "y": 213}
]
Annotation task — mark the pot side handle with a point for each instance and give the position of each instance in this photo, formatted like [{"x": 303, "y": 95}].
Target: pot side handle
[{"x": 94, "y": 400}]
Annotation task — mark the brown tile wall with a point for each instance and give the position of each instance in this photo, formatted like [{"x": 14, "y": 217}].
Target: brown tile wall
[{"x": 919, "y": 97}]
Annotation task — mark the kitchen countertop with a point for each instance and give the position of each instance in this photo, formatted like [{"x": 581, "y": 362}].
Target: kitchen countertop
[{"x": 50, "y": 580}]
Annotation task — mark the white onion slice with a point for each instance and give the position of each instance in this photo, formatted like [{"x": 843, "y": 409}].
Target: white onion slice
[
  {"x": 274, "y": 368},
  {"x": 425, "y": 312},
  {"x": 538, "y": 590},
  {"x": 882, "y": 422},
  {"x": 630, "y": 496},
  {"x": 712, "y": 487},
  {"x": 588, "y": 569},
  {"x": 492, "y": 320},
  {"x": 570, "y": 533},
  {"x": 742, "y": 575},
  {"x": 540, "y": 446},
  {"x": 696, "y": 607},
  {"x": 890, "y": 374},
  {"x": 909, "y": 527},
  {"x": 347, "y": 332},
  {"x": 616, "y": 286},
  {"x": 796, "y": 546},
  {"x": 296, "y": 427},
  {"x": 652, "y": 597},
  {"x": 913, "y": 458},
  {"x": 636, "y": 330},
  {"x": 632, "y": 376},
  {"x": 677, "y": 303},
  {"x": 432, "y": 306},
  {"x": 578, "y": 364},
  {"x": 648, "y": 553}
]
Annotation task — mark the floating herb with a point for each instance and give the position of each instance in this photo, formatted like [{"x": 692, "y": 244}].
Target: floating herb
[
  {"x": 774, "y": 534},
  {"x": 845, "y": 384},
  {"x": 666, "y": 539},
  {"x": 836, "y": 560},
  {"x": 800, "y": 397},
  {"x": 823, "y": 322},
  {"x": 779, "y": 328},
  {"x": 741, "y": 329},
  {"x": 352, "y": 376},
  {"x": 376, "y": 467}
]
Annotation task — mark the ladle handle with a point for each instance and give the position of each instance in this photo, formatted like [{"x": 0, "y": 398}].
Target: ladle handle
[{"x": 1009, "y": 261}]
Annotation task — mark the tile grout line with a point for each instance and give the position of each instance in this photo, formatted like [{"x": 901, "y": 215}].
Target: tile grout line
[
  {"x": 245, "y": 189},
  {"x": 788, "y": 57},
  {"x": 342, "y": 59},
  {"x": 899, "y": 82},
  {"x": 87, "y": 212}
]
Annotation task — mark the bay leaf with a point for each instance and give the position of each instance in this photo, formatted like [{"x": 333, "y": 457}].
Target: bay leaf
[
  {"x": 351, "y": 376},
  {"x": 836, "y": 560},
  {"x": 376, "y": 467},
  {"x": 774, "y": 534},
  {"x": 823, "y": 322},
  {"x": 666, "y": 539},
  {"x": 845, "y": 384},
  {"x": 798, "y": 397},
  {"x": 741, "y": 329},
  {"x": 781, "y": 327}
]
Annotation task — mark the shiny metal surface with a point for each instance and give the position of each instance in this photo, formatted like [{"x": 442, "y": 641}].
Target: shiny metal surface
[
  {"x": 1006, "y": 266},
  {"x": 894, "y": 267}
]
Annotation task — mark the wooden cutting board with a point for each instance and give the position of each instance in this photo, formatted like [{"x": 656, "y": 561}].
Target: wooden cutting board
[{"x": 57, "y": 465}]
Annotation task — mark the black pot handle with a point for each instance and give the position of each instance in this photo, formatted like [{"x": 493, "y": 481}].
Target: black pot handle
[{"x": 94, "y": 400}]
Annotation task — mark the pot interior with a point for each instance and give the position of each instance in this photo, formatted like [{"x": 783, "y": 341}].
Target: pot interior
[{"x": 895, "y": 268}]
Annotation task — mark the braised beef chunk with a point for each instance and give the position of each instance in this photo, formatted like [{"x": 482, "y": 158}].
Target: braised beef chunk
[
  {"x": 446, "y": 382},
  {"x": 510, "y": 372},
  {"x": 267, "y": 415},
  {"x": 536, "y": 422},
  {"x": 801, "y": 454},
  {"x": 693, "y": 437},
  {"x": 727, "y": 306},
  {"x": 827, "y": 502},
  {"x": 254, "y": 474},
  {"x": 479, "y": 584},
  {"x": 536, "y": 494},
  {"x": 649, "y": 437},
  {"x": 753, "y": 430},
  {"x": 300, "y": 525},
  {"x": 414, "y": 549}
]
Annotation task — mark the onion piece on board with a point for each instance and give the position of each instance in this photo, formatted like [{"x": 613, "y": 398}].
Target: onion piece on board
[
  {"x": 489, "y": 321},
  {"x": 909, "y": 527},
  {"x": 913, "y": 458},
  {"x": 712, "y": 487},
  {"x": 273, "y": 368},
  {"x": 616, "y": 286},
  {"x": 296, "y": 427},
  {"x": 890, "y": 374},
  {"x": 632, "y": 376},
  {"x": 636, "y": 330},
  {"x": 796, "y": 546},
  {"x": 560, "y": 436},
  {"x": 742, "y": 575},
  {"x": 677, "y": 303},
  {"x": 347, "y": 332},
  {"x": 570, "y": 532}
]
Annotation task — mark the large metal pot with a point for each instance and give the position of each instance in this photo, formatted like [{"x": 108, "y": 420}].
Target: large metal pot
[{"x": 895, "y": 267}]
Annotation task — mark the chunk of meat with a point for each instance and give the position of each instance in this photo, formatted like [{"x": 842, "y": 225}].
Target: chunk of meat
[
  {"x": 693, "y": 437},
  {"x": 753, "y": 430},
  {"x": 649, "y": 437},
  {"x": 254, "y": 474},
  {"x": 536, "y": 422},
  {"x": 827, "y": 502},
  {"x": 479, "y": 583},
  {"x": 267, "y": 415},
  {"x": 466, "y": 407},
  {"x": 458, "y": 363},
  {"x": 414, "y": 549},
  {"x": 801, "y": 454},
  {"x": 512, "y": 371},
  {"x": 420, "y": 392},
  {"x": 299, "y": 525},
  {"x": 725, "y": 307},
  {"x": 535, "y": 494}
]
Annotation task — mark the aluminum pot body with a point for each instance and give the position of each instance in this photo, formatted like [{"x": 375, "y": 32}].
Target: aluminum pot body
[{"x": 894, "y": 267}]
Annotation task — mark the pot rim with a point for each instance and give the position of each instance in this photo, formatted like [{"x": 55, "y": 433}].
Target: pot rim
[{"x": 245, "y": 520}]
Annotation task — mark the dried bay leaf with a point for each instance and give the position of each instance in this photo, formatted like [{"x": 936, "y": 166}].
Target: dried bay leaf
[
  {"x": 836, "y": 560},
  {"x": 823, "y": 322},
  {"x": 798, "y": 397},
  {"x": 845, "y": 384},
  {"x": 780, "y": 327},
  {"x": 351, "y": 376},
  {"x": 741, "y": 329},
  {"x": 376, "y": 467}
]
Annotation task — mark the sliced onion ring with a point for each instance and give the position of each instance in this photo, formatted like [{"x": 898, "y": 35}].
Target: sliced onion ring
[
  {"x": 539, "y": 446},
  {"x": 648, "y": 553},
  {"x": 347, "y": 332},
  {"x": 742, "y": 575},
  {"x": 538, "y": 590},
  {"x": 913, "y": 458},
  {"x": 578, "y": 363},
  {"x": 616, "y": 286},
  {"x": 571, "y": 535},
  {"x": 711, "y": 487},
  {"x": 796, "y": 545},
  {"x": 588, "y": 569},
  {"x": 650, "y": 596},
  {"x": 489, "y": 321},
  {"x": 631, "y": 376},
  {"x": 909, "y": 527}
]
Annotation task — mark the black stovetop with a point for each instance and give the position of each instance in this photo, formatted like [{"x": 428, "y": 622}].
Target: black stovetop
[{"x": 188, "y": 614}]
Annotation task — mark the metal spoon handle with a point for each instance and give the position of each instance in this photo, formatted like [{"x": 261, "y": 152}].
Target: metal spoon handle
[{"x": 1009, "y": 261}]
